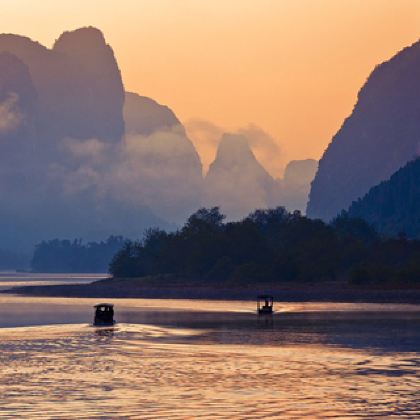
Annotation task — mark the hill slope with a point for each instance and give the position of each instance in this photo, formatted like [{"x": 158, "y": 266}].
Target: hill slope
[
  {"x": 393, "y": 206},
  {"x": 381, "y": 135}
]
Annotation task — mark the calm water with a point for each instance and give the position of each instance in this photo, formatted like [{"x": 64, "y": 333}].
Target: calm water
[
  {"x": 12, "y": 279},
  {"x": 203, "y": 359}
]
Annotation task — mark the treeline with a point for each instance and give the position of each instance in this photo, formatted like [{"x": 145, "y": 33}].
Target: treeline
[
  {"x": 270, "y": 246},
  {"x": 65, "y": 256}
]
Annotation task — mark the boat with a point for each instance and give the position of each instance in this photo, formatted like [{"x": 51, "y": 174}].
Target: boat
[
  {"x": 104, "y": 314},
  {"x": 265, "y": 305}
]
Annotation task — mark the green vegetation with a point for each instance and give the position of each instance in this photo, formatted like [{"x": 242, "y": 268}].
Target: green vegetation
[
  {"x": 270, "y": 246},
  {"x": 64, "y": 256}
]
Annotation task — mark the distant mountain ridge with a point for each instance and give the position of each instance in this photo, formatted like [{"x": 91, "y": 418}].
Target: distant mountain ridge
[
  {"x": 239, "y": 183},
  {"x": 80, "y": 157},
  {"x": 78, "y": 82},
  {"x": 393, "y": 206},
  {"x": 293, "y": 189},
  {"x": 236, "y": 181},
  {"x": 381, "y": 135}
]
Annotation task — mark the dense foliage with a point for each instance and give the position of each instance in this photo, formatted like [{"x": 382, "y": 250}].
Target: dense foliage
[
  {"x": 269, "y": 246},
  {"x": 393, "y": 206},
  {"x": 64, "y": 256}
]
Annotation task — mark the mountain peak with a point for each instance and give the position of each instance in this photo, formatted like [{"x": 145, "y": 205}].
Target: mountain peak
[
  {"x": 86, "y": 37},
  {"x": 300, "y": 171},
  {"x": 236, "y": 181},
  {"x": 234, "y": 148}
]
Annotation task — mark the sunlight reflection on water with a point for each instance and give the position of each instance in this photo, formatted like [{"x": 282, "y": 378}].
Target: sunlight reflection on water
[
  {"x": 13, "y": 279},
  {"x": 201, "y": 359}
]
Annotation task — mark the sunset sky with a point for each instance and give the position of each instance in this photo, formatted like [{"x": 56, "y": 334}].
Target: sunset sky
[{"x": 293, "y": 68}]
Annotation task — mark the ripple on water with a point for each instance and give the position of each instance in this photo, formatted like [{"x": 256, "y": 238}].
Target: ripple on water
[{"x": 155, "y": 372}]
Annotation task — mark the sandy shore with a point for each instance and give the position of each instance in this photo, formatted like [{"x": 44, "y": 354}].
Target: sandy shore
[{"x": 158, "y": 289}]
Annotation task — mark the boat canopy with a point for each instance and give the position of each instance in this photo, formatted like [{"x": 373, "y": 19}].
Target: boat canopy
[
  {"x": 264, "y": 297},
  {"x": 104, "y": 305}
]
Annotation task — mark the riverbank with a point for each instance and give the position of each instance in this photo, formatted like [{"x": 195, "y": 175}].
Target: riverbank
[{"x": 158, "y": 288}]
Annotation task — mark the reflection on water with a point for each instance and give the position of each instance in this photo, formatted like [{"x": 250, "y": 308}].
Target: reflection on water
[
  {"x": 13, "y": 279},
  {"x": 186, "y": 359}
]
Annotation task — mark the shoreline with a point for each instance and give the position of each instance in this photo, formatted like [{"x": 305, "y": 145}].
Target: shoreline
[{"x": 159, "y": 289}]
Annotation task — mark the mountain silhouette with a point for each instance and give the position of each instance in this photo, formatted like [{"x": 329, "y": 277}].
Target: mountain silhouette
[
  {"x": 380, "y": 136},
  {"x": 80, "y": 157},
  {"x": 144, "y": 116},
  {"x": 68, "y": 165},
  {"x": 236, "y": 181},
  {"x": 161, "y": 167},
  {"x": 292, "y": 190},
  {"x": 78, "y": 83},
  {"x": 393, "y": 206},
  {"x": 18, "y": 102}
]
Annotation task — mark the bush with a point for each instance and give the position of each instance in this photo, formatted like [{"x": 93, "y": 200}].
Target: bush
[
  {"x": 360, "y": 276},
  {"x": 221, "y": 271}
]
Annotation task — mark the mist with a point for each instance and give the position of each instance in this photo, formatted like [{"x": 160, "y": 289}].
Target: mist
[
  {"x": 160, "y": 172},
  {"x": 206, "y": 137},
  {"x": 83, "y": 158},
  {"x": 10, "y": 116},
  {"x": 236, "y": 181}
]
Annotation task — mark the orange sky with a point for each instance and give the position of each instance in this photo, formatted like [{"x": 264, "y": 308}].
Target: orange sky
[{"x": 292, "y": 68}]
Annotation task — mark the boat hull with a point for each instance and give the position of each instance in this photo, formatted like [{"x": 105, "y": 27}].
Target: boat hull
[
  {"x": 100, "y": 323},
  {"x": 265, "y": 312}
]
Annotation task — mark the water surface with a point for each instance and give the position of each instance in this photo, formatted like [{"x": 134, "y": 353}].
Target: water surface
[
  {"x": 182, "y": 359},
  {"x": 14, "y": 279}
]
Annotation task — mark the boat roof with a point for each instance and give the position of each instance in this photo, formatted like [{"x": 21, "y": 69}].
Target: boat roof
[{"x": 109, "y": 305}]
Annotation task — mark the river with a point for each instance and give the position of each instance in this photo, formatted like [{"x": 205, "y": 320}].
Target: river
[{"x": 179, "y": 359}]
